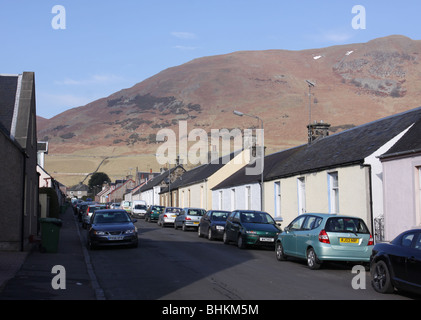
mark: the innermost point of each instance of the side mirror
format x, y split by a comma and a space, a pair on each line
279, 221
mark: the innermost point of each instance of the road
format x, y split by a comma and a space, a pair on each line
172, 264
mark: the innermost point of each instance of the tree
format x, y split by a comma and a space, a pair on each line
97, 179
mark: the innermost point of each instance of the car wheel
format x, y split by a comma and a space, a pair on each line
312, 261
225, 238
240, 242
279, 251
210, 235
381, 281
199, 234
183, 227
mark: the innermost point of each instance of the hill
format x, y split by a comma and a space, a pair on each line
355, 84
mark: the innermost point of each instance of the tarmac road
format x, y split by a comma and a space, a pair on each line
171, 264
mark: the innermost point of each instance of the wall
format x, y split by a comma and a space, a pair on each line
354, 193
401, 187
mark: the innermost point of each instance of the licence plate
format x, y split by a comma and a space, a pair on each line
195, 222
115, 238
267, 239
348, 240
174, 216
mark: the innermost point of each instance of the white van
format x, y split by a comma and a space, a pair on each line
139, 208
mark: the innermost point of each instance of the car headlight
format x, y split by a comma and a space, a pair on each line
251, 232
220, 227
130, 231
99, 233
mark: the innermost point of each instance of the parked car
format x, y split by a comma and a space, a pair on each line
212, 224
153, 212
139, 208
87, 214
81, 208
114, 205
168, 216
397, 264
126, 205
111, 227
249, 227
322, 237
189, 218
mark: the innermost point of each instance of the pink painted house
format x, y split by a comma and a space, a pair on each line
402, 183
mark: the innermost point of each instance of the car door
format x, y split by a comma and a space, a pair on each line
231, 225
180, 218
413, 261
289, 238
204, 222
305, 234
398, 257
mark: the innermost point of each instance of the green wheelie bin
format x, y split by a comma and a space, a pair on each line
50, 232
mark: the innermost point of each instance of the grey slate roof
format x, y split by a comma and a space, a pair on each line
409, 143
202, 172
345, 148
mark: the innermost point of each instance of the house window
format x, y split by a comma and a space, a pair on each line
248, 197
277, 195
301, 195
233, 204
333, 192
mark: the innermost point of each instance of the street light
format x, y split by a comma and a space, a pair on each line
310, 85
240, 114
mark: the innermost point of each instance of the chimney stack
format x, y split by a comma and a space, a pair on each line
317, 130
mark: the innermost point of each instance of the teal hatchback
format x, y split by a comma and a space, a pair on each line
318, 237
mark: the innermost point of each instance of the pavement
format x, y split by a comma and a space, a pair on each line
30, 275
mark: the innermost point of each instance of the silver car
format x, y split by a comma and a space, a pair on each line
189, 218
168, 216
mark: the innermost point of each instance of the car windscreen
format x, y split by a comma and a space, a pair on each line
111, 217
219, 216
256, 217
173, 210
140, 207
346, 224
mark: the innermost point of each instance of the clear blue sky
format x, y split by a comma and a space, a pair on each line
109, 45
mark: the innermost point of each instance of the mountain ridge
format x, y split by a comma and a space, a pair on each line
355, 84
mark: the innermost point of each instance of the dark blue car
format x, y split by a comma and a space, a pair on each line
397, 264
212, 224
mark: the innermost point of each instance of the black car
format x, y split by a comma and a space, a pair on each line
110, 227
397, 264
212, 224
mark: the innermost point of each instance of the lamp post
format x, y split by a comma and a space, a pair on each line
310, 85
240, 114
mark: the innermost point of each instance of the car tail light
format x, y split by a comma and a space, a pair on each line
323, 237
165, 216
188, 218
371, 241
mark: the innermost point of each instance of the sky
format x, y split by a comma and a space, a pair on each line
84, 50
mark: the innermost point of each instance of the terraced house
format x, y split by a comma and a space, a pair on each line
18, 162
340, 173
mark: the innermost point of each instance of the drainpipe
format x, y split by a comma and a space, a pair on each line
371, 200
22, 226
